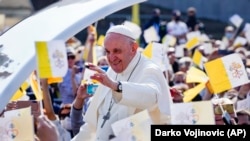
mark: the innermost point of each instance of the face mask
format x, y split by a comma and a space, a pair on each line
229, 35
66, 123
105, 68
177, 18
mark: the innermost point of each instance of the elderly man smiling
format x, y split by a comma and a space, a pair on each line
132, 84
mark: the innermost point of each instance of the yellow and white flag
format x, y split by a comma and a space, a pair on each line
54, 80
226, 72
195, 75
137, 125
190, 94
151, 35
36, 88
13, 123
169, 40
192, 43
192, 113
20, 92
157, 53
193, 34
236, 20
51, 58
199, 59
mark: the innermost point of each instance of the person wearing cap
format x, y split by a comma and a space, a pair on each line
158, 23
132, 84
177, 28
192, 21
68, 87
228, 37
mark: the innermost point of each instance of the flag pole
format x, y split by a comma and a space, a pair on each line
39, 92
37, 78
221, 107
136, 16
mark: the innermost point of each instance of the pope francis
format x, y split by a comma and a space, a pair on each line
132, 84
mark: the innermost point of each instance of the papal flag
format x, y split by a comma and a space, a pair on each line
199, 59
192, 43
236, 20
157, 53
169, 40
51, 59
151, 35
36, 88
20, 92
138, 126
226, 72
195, 75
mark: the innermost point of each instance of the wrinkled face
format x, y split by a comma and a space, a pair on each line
120, 50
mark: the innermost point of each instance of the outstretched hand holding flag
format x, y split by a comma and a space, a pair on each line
226, 72
51, 63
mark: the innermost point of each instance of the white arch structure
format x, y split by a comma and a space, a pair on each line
60, 20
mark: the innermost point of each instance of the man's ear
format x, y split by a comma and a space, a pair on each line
135, 47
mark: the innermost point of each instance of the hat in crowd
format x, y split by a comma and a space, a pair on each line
171, 49
176, 13
229, 28
70, 51
122, 29
191, 9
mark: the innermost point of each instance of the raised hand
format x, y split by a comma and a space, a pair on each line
101, 76
46, 130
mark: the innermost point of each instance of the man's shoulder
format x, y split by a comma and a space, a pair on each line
149, 64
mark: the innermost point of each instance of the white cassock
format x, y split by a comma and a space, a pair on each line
143, 87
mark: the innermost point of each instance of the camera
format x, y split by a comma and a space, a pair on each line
91, 88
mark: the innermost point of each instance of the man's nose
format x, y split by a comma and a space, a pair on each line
112, 56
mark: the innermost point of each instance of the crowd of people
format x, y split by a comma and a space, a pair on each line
129, 83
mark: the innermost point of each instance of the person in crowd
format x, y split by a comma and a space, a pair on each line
157, 23
132, 84
177, 28
228, 37
173, 64
71, 80
102, 62
185, 63
192, 21
59, 123
68, 87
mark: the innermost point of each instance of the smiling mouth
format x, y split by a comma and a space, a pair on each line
116, 63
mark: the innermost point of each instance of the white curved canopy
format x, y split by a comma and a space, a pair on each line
61, 20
